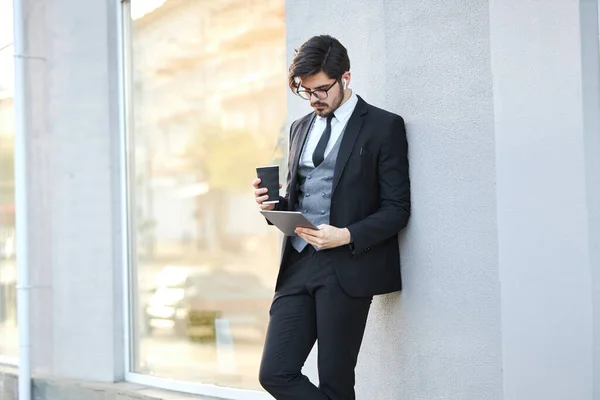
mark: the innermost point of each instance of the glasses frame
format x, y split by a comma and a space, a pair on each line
309, 93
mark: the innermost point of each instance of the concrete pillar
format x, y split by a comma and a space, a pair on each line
590, 57
74, 178
428, 61
543, 181
500, 257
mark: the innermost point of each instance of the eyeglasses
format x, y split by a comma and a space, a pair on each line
320, 94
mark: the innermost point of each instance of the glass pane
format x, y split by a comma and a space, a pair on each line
8, 269
209, 105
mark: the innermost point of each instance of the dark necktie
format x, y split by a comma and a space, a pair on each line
319, 154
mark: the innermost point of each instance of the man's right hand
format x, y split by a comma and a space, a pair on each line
260, 195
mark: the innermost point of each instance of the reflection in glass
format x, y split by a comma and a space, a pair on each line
8, 269
209, 105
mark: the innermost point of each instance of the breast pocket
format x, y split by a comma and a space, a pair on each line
366, 160
361, 169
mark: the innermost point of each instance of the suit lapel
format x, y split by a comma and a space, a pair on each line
299, 140
350, 135
296, 149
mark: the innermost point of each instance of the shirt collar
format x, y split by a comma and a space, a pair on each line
343, 113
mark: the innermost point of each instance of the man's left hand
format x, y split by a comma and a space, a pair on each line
327, 237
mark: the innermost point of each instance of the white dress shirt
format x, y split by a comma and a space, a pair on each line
338, 124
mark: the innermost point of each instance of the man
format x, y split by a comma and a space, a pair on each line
348, 174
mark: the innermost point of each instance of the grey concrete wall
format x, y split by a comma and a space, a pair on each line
74, 238
543, 182
590, 13
428, 61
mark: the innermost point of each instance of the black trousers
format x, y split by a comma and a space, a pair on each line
311, 305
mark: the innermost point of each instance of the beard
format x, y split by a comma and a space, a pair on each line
328, 110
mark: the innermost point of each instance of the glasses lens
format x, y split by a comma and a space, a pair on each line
304, 94
320, 94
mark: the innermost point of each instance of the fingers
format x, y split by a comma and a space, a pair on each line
260, 191
318, 242
260, 199
280, 185
260, 195
319, 238
262, 206
312, 233
314, 237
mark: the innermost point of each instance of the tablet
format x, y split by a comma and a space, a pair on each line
288, 221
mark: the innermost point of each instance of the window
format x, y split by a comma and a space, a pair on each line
208, 105
8, 273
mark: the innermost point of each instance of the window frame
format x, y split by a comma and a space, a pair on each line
126, 138
6, 360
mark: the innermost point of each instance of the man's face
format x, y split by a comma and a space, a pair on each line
335, 95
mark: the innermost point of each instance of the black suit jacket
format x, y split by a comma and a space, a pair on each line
370, 197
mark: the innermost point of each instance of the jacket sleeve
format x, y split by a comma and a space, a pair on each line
394, 193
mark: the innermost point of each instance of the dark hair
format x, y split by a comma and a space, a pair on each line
319, 53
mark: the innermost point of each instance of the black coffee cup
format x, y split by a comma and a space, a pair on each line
269, 178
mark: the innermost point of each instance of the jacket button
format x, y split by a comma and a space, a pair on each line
307, 194
323, 194
323, 212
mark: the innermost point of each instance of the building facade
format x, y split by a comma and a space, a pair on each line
151, 265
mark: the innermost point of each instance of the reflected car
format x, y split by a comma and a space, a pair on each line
204, 304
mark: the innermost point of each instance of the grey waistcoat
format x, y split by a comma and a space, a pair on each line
314, 192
